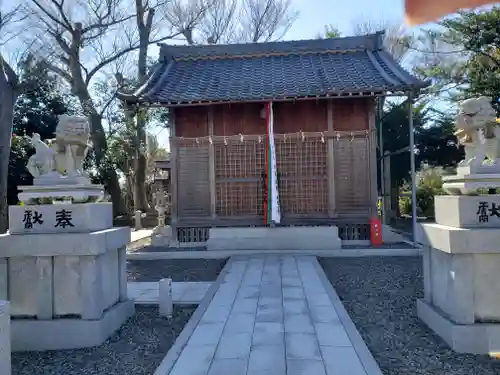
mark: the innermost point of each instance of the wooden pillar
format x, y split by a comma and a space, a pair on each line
174, 175
211, 162
386, 181
372, 158
331, 162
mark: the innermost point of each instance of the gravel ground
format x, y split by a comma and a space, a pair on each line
380, 295
396, 245
136, 349
162, 249
176, 269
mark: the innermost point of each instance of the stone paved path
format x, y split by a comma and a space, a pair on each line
271, 316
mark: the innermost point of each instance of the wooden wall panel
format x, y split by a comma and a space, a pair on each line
305, 115
193, 195
191, 122
233, 119
351, 114
289, 117
352, 180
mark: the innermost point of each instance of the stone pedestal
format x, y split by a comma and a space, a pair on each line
280, 238
65, 276
461, 272
5, 364
59, 191
468, 179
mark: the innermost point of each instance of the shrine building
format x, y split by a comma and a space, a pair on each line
324, 94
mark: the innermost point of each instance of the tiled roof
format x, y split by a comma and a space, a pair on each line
273, 71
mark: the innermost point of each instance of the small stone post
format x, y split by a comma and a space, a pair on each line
165, 297
137, 219
5, 365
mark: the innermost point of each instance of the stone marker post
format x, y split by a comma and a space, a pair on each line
138, 220
5, 364
165, 297
461, 257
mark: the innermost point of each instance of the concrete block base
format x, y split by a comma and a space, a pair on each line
58, 334
478, 338
281, 238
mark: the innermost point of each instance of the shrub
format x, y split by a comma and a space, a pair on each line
429, 183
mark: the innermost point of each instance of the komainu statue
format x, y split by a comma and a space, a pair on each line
479, 132
42, 162
64, 157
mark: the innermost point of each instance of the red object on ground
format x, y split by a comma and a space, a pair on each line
375, 231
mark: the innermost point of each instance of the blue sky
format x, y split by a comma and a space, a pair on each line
315, 14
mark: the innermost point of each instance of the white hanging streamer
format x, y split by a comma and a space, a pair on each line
322, 137
210, 140
241, 138
225, 141
352, 136
338, 137
260, 139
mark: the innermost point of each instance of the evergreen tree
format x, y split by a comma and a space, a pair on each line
36, 111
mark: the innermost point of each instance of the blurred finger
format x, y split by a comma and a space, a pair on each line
422, 11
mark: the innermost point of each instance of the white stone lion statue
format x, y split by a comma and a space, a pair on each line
66, 153
478, 131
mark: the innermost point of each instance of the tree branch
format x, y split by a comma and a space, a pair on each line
106, 61
64, 74
51, 16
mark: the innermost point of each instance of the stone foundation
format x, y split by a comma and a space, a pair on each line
281, 238
481, 338
63, 333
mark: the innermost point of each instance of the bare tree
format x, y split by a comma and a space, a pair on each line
10, 89
185, 15
82, 38
220, 21
266, 20
214, 21
232, 21
182, 17
397, 40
